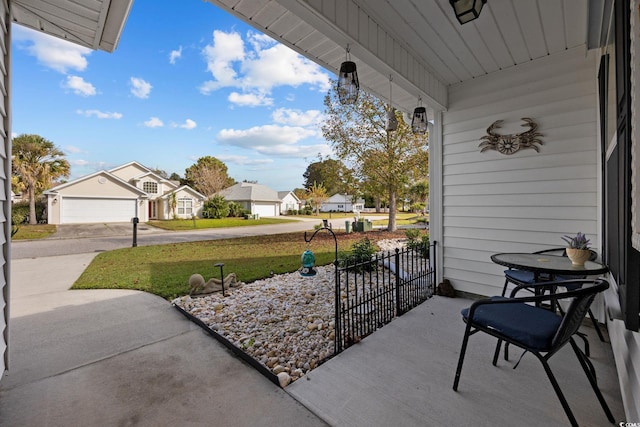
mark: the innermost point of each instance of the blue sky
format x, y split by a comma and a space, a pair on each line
187, 80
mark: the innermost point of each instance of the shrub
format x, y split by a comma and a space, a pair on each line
20, 212
235, 209
216, 207
361, 253
418, 243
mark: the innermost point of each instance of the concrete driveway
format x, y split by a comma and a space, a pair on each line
122, 358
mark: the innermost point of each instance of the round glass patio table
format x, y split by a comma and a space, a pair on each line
554, 265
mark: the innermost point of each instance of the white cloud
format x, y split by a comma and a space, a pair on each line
281, 66
50, 51
79, 162
291, 117
72, 149
154, 122
274, 140
99, 114
175, 54
250, 99
243, 160
140, 88
226, 49
79, 86
188, 124
260, 66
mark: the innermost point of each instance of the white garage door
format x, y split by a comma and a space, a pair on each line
85, 210
264, 210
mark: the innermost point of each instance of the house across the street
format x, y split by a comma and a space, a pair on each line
256, 198
288, 201
342, 203
120, 194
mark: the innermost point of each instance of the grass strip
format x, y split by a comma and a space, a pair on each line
164, 270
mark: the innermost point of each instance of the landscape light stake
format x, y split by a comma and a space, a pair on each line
221, 264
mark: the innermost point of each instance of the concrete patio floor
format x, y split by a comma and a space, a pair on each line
402, 375
104, 358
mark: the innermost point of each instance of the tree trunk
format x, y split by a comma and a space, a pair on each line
392, 211
377, 201
32, 205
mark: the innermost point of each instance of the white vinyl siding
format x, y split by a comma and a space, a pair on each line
5, 194
525, 201
91, 210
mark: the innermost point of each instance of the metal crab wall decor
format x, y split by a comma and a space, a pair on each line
509, 144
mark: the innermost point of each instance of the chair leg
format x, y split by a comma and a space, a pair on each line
463, 350
592, 379
596, 325
556, 388
585, 340
497, 352
504, 288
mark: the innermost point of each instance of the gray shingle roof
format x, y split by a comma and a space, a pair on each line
245, 191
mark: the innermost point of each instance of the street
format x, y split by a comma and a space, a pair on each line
123, 238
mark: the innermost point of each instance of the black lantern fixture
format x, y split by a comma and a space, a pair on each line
419, 120
348, 83
392, 121
467, 10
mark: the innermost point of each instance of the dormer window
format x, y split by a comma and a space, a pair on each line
150, 187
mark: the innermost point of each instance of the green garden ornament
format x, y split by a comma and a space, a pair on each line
308, 261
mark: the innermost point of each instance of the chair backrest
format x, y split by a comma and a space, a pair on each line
581, 300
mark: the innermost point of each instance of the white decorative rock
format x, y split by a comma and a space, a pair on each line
284, 379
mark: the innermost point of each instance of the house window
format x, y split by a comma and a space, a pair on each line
150, 187
185, 206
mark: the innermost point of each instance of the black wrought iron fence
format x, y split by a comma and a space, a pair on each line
371, 294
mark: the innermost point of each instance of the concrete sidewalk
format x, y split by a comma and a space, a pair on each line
117, 357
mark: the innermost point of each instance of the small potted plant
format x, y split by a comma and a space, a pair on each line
578, 249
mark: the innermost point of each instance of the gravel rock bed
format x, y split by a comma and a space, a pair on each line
285, 322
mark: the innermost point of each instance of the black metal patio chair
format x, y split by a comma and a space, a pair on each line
524, 278
536, 330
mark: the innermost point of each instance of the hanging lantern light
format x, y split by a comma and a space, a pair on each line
392, 121
419, 119
308, 262
348, 83
467, 10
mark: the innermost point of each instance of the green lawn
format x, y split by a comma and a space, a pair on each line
164, 270
36, 231
201, 223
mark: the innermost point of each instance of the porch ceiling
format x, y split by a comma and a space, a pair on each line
419, 42
96, 24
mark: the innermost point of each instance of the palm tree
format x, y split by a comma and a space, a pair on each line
36, 162
173, 203
317, 195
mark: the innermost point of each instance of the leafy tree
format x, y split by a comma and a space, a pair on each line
300, 193
316, 196
208, 176
331, 174
419, 191
175, 177
36, 162
385, 161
